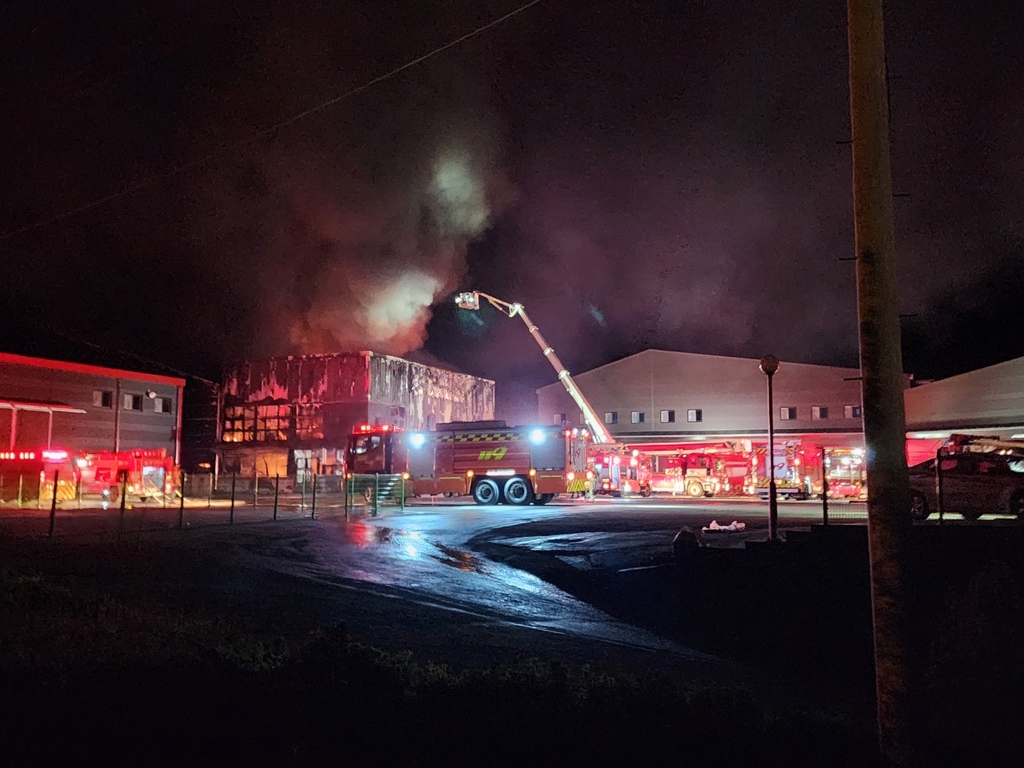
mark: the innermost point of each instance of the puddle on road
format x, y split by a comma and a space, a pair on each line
457, 558
410, 545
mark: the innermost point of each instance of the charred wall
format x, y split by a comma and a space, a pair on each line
428, 395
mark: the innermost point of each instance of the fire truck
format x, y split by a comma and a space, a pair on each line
27, 475
489, 460
144, 475
692, 474
619, 470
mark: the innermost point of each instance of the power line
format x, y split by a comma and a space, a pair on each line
270, 129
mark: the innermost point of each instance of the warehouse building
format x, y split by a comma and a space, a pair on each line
668, 404
291, 415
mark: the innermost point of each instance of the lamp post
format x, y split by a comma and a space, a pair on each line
769, 366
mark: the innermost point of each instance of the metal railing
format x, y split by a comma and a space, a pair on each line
198, 499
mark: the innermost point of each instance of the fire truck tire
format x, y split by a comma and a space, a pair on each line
645, 492
518, 491
918, 506
695, 490
485, 492
543, 499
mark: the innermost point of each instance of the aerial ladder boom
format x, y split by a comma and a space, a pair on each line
471, 300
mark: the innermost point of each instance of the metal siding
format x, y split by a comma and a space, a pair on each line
424, 391
987, 397
94, 429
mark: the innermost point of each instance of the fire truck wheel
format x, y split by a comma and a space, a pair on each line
485, 491
646, 491
543, 499
518, 491
918, 506
696, 490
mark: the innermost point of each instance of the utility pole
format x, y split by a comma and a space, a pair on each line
881, 362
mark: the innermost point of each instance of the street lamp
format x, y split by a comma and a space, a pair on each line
769, 366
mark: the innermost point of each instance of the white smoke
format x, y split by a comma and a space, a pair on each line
391, 260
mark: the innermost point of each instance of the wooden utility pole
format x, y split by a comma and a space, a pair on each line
881, 362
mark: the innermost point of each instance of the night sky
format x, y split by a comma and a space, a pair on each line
647, 174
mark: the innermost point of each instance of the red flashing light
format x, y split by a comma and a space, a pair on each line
55, 455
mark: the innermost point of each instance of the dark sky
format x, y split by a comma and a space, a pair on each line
636, 173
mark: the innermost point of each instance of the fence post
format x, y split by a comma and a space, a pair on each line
938, 483
181, 506
344, 482
277, 491
231, 516
312, 511
124, 500
255, 488
824, 490
209, 491
376, 494
1, 488
53, 503
302, 492
402, 502
78, 490
21, 480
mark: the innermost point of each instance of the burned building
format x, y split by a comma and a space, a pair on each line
294, 414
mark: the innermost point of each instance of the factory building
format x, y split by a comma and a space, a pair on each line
291, 415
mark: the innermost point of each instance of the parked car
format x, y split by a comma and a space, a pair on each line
973, 484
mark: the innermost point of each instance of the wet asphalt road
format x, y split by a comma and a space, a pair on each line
454, 582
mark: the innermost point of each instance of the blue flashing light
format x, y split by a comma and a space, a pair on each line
537, 436
417, 439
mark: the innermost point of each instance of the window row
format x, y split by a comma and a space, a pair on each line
104, 398
693, 415
696, 415
819, 412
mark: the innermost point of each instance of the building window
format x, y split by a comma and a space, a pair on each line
851, 411
103, 398
694, 415
162, 404
819, 412
559, 419
787, 413
636, 417
668, 417
611, 417
132, 402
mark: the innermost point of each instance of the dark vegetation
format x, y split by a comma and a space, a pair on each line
92, 672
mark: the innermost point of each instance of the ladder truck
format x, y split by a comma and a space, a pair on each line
635, 479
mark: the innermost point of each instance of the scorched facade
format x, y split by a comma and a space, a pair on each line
291, 415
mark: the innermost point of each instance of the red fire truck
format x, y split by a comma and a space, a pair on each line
144, 474
619, 470
489, 460
27, 475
